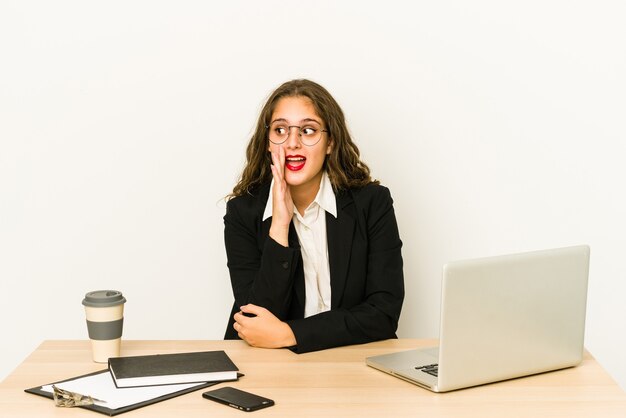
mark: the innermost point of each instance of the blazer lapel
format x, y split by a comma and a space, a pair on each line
339, 236
265, 224
298, 283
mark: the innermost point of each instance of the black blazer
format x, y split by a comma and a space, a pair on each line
364, 250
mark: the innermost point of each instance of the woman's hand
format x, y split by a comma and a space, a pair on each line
282, 205
263, 330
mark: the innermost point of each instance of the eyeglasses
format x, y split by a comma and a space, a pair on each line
309, 134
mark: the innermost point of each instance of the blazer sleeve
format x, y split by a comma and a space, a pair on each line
261, 270
375, 316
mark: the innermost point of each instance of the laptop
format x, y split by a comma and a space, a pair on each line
502, 317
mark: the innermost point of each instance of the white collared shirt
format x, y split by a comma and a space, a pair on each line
311, 230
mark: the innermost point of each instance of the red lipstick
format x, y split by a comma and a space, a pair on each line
295, 162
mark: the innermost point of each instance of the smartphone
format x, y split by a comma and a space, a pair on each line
237, 398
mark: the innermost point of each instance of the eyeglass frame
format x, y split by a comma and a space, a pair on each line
299, 135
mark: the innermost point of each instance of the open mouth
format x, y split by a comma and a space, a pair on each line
295, 162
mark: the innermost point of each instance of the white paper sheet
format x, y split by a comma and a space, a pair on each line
101, 386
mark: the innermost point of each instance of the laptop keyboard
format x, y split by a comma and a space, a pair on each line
431, 369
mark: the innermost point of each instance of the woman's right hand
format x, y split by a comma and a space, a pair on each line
282, 205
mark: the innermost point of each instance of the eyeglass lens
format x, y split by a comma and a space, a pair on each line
309, 134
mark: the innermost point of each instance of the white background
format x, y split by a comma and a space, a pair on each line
498, 126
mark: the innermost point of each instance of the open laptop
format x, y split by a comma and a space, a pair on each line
502, 317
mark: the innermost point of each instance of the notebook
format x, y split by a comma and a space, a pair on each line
502, 317
173, 368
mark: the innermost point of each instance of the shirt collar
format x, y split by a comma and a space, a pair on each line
325, 198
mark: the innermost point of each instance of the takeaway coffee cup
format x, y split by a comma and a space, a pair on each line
105, 319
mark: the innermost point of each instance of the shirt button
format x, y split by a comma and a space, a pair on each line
285, 265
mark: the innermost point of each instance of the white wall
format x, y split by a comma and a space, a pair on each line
498, 126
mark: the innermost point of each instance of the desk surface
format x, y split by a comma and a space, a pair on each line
329, 383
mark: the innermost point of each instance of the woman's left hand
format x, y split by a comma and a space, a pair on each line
263, 330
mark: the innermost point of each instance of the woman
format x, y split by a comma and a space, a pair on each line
312, 242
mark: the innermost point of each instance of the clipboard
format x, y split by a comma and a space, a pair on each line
174, 392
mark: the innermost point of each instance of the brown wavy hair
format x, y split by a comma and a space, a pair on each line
344, 166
